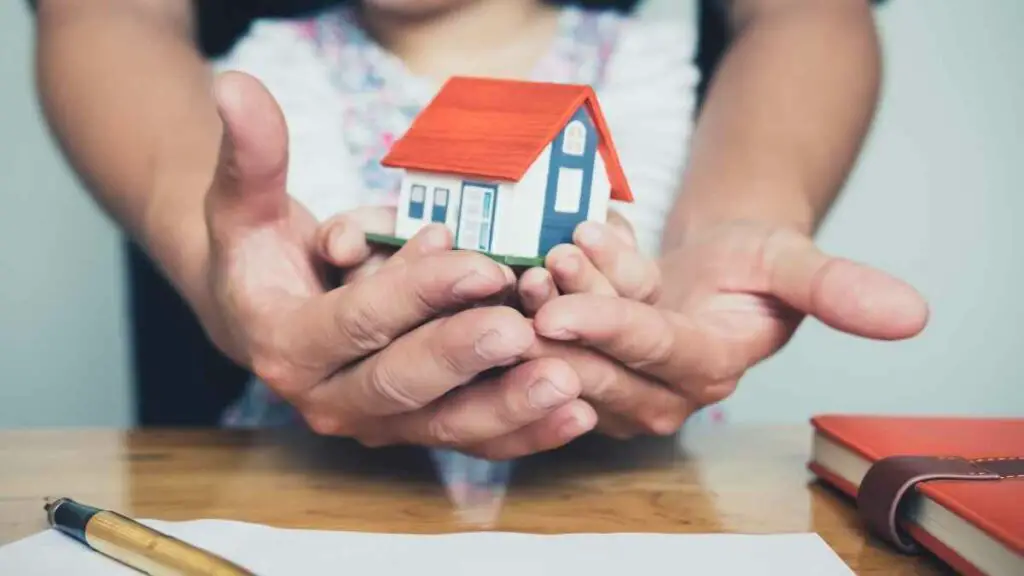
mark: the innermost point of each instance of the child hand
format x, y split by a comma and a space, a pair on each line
602, 260
341, 242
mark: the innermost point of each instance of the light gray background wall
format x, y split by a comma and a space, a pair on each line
933, 200
63, 328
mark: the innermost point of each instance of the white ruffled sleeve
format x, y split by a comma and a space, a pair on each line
649, 98
320, 172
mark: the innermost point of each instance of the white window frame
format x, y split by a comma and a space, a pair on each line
472, 226
440, 196
569, 191
422, 193
574, 143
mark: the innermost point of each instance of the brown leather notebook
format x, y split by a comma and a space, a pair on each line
954, 486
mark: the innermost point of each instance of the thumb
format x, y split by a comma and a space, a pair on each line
843, 294
248, 187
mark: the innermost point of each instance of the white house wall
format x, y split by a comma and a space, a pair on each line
520, 211
406, 227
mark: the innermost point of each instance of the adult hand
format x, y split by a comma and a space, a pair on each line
370, 358
733, 296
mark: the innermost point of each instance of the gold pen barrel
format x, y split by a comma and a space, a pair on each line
151, 552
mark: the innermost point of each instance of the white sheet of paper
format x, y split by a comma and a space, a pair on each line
287, 552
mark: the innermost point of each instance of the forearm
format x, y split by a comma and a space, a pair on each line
128, 97
784, 118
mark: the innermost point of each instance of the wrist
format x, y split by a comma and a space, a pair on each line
173, 233
700, 212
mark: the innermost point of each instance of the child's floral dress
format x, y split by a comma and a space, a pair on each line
346, 100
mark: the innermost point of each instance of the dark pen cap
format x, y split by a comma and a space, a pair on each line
69, 516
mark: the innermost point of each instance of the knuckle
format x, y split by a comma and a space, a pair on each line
606, 383
514, 408
715, 393
659, 352
485, 451
649, 423
448, 357
424, 294
449, 361
359, 325
387, 385
650, 289
373, 440
326, 425
718, 365
666, 423
274, 371
368, 267
441, 432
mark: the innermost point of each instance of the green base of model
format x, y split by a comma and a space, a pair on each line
512, 261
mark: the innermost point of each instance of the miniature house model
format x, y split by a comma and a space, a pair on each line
510, 167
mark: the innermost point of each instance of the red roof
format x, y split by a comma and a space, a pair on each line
495, 129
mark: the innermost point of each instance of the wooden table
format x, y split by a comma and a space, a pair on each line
750, 480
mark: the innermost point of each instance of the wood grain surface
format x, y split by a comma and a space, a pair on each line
733, 479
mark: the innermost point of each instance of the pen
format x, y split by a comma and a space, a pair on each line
134, 544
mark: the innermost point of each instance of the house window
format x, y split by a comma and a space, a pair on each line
416, 197
440, 211
570, 190
575, 140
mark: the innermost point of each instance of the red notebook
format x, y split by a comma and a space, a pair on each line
954, 486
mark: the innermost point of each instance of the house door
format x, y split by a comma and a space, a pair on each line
570, 173
476, 216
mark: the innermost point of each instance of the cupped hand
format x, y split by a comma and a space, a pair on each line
503, 410
733, 296
370, 358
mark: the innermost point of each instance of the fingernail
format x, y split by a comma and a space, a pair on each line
557, 333
544, 394
475, 285
337, 242
561, 334
510, 276
588, 234
492, 346
533, 285
436, 236
576, 425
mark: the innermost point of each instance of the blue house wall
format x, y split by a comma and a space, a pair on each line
557, 227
